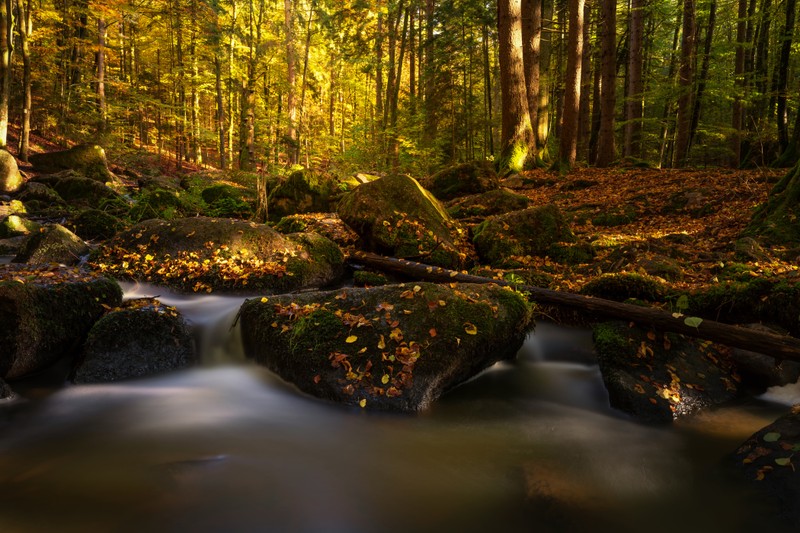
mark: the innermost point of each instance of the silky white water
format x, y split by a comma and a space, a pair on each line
526, 446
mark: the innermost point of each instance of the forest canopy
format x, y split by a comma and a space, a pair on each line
406, 85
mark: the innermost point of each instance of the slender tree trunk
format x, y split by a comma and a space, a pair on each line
379, 81
196, 150
634, 108
606, 147
304, 83
737, 119
25, 22
430, 75
101, 76
783, 75
223, 162
572, 88
487, 91
703, 78
531, 52
585, 108
543, 114
517, 132
6, 49
685, 81
291, 74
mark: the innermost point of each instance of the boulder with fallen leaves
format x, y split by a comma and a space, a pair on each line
396, 216
141, 338
394, 348
487, 204
52, 244
462, 180
45, 312
204, 254
658, 377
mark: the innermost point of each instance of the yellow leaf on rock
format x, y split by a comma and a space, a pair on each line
351, 339
264, 299
362, 403
381, 343
385, 379
470, 328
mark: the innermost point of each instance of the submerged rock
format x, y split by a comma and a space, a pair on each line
205, 254
505, 240
142, 338
45, 312
396, 347
658, 377
53, 244
396, 216
768, 460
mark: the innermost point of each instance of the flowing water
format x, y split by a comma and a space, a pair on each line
526, 446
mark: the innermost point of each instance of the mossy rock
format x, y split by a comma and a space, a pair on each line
141, 338
756, 300
96, 224
78, 190
158, 203
658, 377
616, 217
302, 192
367, 278
462, 180
15, 225
88, 159
53, 244
14, 207
326, 224
45, 317
11, 179
505, 240
663, 267
395, 348
40, 193
396, 216
627, 285
491, 203
227, 201
205, 254
571, 254
777, 221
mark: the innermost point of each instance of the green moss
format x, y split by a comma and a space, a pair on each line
319, 332
624, 286
14, 225
615, 217
608, 339
291, 224
158, 203
96, 224
365, 278
571, 254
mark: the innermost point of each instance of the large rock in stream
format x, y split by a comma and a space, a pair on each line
11, 179
768, 461
45, 312
53, 244
396, 216
394, 348
142, 338
658, 377
205, 254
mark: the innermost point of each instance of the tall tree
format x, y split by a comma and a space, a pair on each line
782, 77
606, 147
634, 109
25, 29
291, 74
568, 143
531, 52
517, 133
6, 49
685, 82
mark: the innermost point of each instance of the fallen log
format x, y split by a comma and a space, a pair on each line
777, 346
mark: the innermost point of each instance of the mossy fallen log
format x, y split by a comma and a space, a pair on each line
777, 346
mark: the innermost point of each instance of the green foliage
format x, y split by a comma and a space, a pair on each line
626, 285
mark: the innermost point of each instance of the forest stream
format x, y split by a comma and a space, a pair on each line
531, 445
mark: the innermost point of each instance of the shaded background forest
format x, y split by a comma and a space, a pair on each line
406, 85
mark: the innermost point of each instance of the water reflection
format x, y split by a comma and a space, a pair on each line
527, 446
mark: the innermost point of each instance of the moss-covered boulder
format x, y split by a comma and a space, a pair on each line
227, 201
777, 221
395, 348
302, 192
37, 194
505, 240
205, 254
77, 189
15, 225
491, 203
141, 338
326, 224
625, 286
88, 159
159, 203
11, 179
657, 377
45, 312
96, 224
462, 180
396, 216
768, 461
13, 207
53, 244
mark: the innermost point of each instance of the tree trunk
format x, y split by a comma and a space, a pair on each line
606, 148
777, 346
223, 163
291, 74
783, 75
517, 133
6, 49
25, 22
101, 76
487, 90
737, 118
430, 75
543, 114
634, 108
703, 78
572, 88
685, 81
531, 53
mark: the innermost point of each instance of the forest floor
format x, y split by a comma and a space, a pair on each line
627, 214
